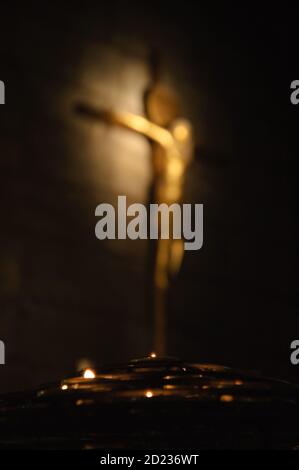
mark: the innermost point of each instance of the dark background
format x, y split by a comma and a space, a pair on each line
63, 294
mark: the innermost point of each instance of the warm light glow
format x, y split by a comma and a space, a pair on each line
169, 387
181, 131
89, 374
153, 355
64, 387
238, 382
227, 398
149, 394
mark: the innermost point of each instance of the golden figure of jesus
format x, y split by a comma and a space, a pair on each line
172, 151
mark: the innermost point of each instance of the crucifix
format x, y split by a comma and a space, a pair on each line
172, 151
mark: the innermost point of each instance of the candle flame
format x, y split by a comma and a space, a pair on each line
89, 374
